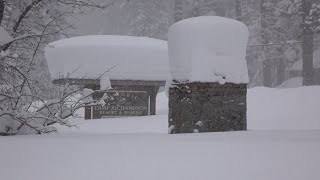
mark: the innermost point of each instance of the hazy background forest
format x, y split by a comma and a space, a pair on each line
274, 52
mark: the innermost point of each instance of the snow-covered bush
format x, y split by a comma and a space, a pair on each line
24, 111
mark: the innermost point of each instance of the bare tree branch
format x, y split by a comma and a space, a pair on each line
86, 3
21, 105
24, 13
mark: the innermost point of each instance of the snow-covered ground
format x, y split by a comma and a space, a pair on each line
283, 142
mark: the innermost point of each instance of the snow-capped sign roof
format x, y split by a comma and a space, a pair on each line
131, 58
208, 49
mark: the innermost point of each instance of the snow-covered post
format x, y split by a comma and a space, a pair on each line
105, 83
210, 76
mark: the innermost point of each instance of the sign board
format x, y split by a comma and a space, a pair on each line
121, 103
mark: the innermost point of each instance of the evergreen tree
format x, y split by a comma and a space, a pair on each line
150, 18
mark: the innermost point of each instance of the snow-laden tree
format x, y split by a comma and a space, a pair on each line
310, 11
27, 105
312, 15
224, 8
309, 24
274, 43
275, 22
178, 10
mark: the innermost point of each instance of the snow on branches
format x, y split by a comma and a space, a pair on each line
313, 19
310, 11
29, 103
24, 111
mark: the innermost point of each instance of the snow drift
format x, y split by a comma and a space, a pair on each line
284, 109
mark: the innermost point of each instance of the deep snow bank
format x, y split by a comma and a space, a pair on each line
268, 109
293, 108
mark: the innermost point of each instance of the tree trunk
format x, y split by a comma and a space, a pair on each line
267, 78
266, 72
212, 8
281, 71
1, 17
307, 47
1, 10
237, 7
178, 10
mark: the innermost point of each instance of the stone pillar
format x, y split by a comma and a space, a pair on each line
210, 75
207, 107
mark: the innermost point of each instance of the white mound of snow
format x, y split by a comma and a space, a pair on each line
208, 49
130, 58
292, 83
283, 109
105, 83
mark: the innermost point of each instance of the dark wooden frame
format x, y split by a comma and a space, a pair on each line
151, 87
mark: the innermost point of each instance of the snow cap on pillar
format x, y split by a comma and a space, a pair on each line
208, 49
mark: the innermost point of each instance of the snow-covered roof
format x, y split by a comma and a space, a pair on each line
131, 58
210, 49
